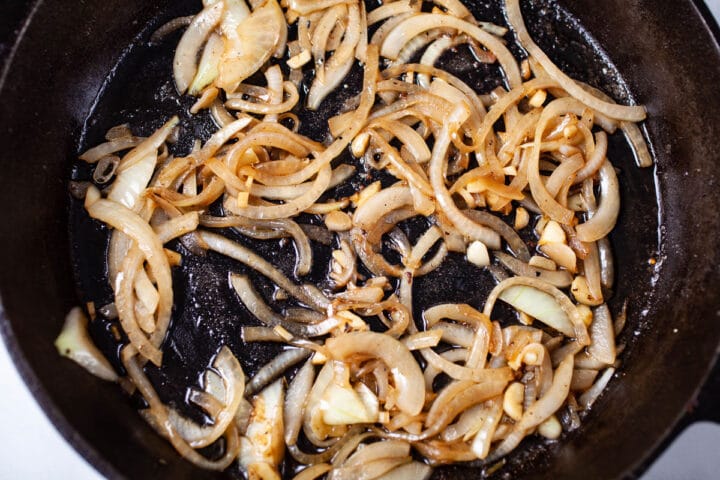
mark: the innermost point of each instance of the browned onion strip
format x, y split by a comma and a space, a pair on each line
466, 314
148, 146
233, 386
465, 225
367, 99
291, 207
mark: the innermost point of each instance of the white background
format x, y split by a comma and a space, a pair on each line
31, 448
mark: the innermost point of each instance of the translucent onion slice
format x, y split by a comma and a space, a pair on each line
185, 62
230, 372
417, 24
251, 45
541, 410
602, 334
557, 278
151, 144
470, 229
123, 219
295, 401
604, 219
409, 471
209, 64
103, 150
75, 343
405, 371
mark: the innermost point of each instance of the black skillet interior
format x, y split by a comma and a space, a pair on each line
57, 101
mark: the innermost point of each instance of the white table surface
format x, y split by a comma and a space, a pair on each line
692, 457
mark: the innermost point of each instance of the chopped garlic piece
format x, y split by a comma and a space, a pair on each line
538, 99
513, 401
538, 261
337, 221
550, 428
299, 60
478, 254
552, 233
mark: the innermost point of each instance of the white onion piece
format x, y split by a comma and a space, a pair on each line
632, 132
295, 401
603, 336
602, 223
331, 79
405, 370
185, 62
377, 451
417, 24
632, 113
540, 410
408, 471
549, 403
131, 182
369, 470
306, 7
483, 439
75, 344
607, 264
262, 448
588, 398
343, 405
596, 158
275, 368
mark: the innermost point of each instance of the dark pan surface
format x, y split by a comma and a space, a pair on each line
661, 369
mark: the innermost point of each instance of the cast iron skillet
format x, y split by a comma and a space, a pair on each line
56, 97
